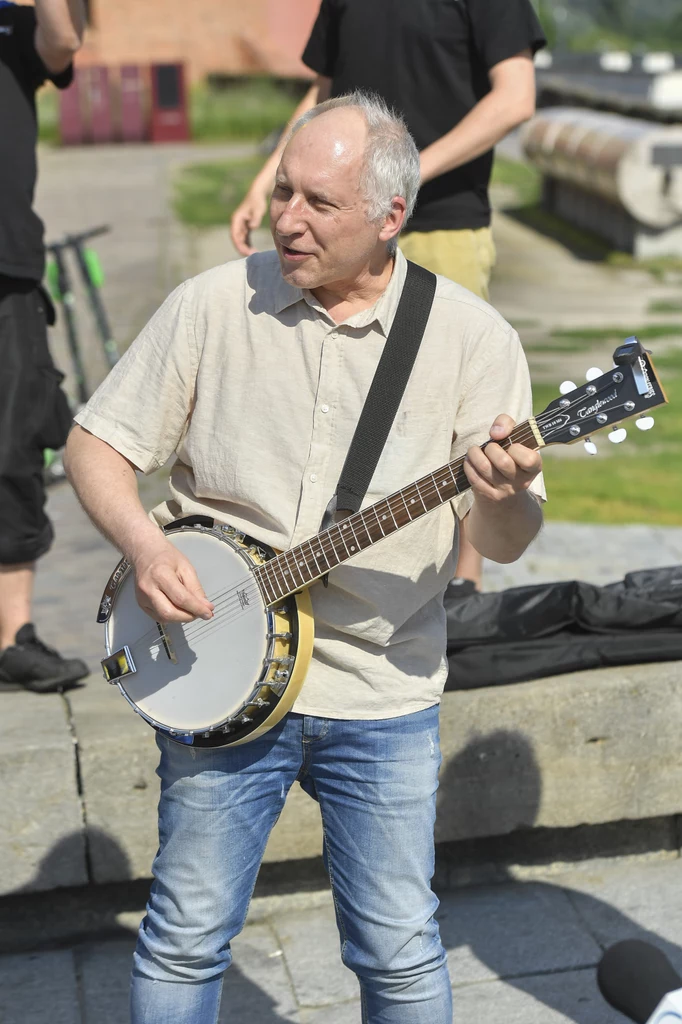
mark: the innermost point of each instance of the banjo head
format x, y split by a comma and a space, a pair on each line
192, 678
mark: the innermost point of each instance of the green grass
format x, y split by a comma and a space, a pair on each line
47, 103
648, 332
658, 267
664, 306
524, 178
240, 110
206, 194
638, 481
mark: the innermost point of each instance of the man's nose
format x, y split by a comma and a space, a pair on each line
290, 220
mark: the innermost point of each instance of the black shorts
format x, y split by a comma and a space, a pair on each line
34, 415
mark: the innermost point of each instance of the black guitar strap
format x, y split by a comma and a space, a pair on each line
386, 391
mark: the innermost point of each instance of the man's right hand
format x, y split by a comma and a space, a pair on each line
245, 219
167, 587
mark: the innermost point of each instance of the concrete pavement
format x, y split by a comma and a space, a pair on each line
518, 953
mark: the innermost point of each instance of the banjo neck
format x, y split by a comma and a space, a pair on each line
304, 564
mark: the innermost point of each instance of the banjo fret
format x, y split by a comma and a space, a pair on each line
295, 569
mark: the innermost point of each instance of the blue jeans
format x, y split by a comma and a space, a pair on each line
376, 785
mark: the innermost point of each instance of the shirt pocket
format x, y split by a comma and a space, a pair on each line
418, 442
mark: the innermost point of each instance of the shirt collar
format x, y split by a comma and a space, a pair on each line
383, 310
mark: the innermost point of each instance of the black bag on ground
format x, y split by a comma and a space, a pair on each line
530, 632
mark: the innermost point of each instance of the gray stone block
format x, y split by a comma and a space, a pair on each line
118, 758
39, 987
41, 841
570, 750
559, 752
298, 833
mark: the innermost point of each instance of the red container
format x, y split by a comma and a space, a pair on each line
71, 121
96, 82
134, 126
169, 118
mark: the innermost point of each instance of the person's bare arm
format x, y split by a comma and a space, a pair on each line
250, 212
167, 586
59, 32
505, 516
510, 101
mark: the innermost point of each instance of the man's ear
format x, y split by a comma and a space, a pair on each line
393, 223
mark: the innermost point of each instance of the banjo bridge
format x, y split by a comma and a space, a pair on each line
167, 643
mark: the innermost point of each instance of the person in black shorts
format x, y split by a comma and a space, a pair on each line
36, 44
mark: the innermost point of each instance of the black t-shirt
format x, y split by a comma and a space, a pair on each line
429, 59
22, 72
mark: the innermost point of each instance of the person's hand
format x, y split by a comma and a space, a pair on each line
246, 218
496, 473
167, 587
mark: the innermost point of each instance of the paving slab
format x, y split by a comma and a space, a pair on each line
41, 842
631, 901
505, 931
258, 987
311, 945
595, 552
146, 253
342, 1013
39, 988
104, 972
560, 998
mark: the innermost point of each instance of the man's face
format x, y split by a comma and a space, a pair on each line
317, 214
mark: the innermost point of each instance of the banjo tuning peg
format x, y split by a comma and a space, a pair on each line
644, 422
618, 434
593, 373
567, 386
590, 446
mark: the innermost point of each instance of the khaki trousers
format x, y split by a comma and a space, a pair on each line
466, 256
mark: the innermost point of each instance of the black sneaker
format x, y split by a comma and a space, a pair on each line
31, 665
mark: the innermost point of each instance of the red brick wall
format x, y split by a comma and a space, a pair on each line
224, 36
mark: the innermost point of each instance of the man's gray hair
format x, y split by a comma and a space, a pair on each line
391, 157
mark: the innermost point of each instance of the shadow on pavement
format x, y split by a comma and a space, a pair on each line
527, 930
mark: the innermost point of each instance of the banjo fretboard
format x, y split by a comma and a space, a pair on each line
309, 561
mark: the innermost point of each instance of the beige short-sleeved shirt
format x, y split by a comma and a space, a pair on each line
257, 391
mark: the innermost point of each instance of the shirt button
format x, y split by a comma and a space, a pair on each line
313, 477
325, 408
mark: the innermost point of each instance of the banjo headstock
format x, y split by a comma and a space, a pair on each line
630, 388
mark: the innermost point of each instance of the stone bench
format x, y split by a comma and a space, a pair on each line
80, 790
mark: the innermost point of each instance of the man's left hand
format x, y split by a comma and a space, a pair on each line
496, 473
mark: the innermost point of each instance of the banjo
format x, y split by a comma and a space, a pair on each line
227, 680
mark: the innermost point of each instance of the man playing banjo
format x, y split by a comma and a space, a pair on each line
254, 375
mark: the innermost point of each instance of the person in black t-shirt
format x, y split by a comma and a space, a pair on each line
36, 44
461, 74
